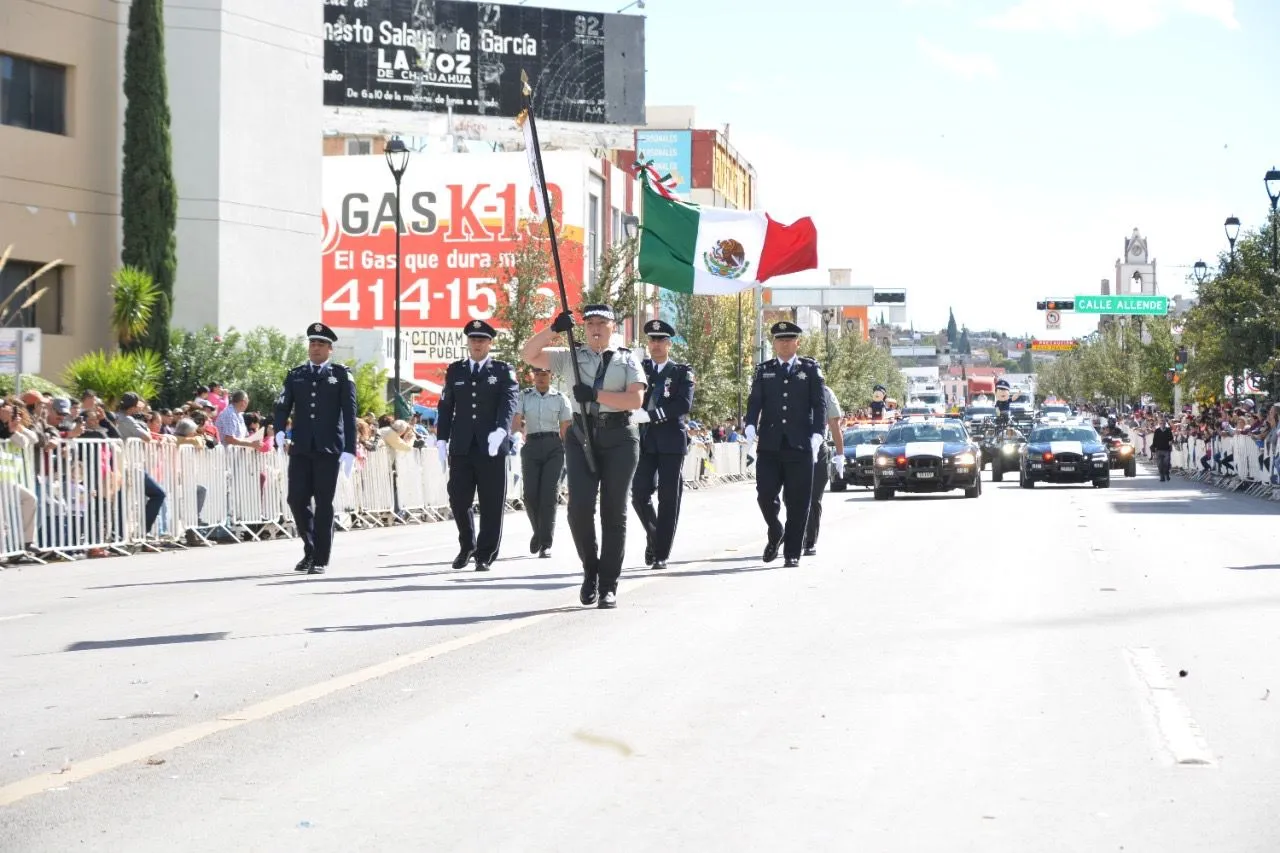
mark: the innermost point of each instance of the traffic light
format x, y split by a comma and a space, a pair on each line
1060, 305
881, 297
1177, 378
1169, 374
1180, 357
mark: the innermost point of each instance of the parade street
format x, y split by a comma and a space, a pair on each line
1063, 669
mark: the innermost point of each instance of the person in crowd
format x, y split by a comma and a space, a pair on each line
543, 416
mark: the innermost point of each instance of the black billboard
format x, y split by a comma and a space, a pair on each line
441, 55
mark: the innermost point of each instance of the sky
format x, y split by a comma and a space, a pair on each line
986, 154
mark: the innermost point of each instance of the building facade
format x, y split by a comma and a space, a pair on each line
248, 205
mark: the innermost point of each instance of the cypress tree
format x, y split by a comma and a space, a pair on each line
148, 195
952, 331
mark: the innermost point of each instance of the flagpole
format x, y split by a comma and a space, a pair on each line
540, 186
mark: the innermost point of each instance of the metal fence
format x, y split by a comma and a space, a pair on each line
1238, 463
98, 497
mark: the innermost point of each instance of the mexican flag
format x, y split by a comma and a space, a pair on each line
714, 251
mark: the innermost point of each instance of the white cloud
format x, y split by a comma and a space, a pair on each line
969, 66
1122, 17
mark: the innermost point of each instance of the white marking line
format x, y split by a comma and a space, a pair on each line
17, 616
1181, 735
142, 750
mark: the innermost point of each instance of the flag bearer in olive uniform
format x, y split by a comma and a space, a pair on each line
612, 385
475, 411
787, 402
820, 469
664, 440
321, 398
543, 415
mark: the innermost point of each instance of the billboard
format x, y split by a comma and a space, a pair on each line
462, 215
465, 58
672, 154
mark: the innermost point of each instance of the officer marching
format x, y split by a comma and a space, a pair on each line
612, 385
788, 404
475, 412
543, 415
836, 436
320, 396
664, 440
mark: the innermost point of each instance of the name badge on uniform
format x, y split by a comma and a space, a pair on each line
767, 375
461, 382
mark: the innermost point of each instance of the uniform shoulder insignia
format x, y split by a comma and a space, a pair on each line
458, 363
501, 365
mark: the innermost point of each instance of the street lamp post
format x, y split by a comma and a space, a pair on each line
1232, 227
631, 227
397, 155
1272, 183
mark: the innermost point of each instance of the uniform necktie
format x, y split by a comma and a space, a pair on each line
475, 370
600, 372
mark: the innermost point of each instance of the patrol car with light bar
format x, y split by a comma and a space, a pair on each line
1064, 453
928, 455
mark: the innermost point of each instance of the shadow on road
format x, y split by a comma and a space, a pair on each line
191, 580
449, 588
133, 642
1258, 568
1206, 505
449, 620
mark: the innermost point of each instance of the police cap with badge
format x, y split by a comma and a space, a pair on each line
784, 329
657, 329
597, 310
479, 329
321, 332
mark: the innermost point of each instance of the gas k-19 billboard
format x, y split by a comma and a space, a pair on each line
466, 57
461, 219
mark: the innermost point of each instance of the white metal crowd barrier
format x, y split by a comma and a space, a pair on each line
100, 496
1234, 462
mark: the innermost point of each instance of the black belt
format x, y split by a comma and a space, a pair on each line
607, 419
534, 435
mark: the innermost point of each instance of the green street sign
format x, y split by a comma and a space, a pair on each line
1123, 304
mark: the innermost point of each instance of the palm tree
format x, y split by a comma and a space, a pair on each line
134, 295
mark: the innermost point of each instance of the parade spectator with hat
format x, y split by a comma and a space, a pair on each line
611, 386
320, 396
787, 407
473, 432
664, 440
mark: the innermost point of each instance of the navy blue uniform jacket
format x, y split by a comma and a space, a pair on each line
471, 408
792, 406
323, 408
672, 394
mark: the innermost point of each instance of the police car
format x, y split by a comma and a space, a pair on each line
1064, 453
860, 443
933, 455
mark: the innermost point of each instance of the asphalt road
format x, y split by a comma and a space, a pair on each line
998, 674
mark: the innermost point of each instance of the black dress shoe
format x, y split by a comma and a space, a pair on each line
587, 595
771, 548
534, 544
482, 566
462, 559
315, 570
544, 554
659, 564
648, 555
303, 565
791, 562
811, 551
608, 601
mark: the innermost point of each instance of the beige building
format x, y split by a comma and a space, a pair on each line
60, 107
248, 225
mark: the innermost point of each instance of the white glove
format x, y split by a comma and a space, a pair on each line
839, 460
751, 434
348, 463
495, 440
442, 450
815, 442
640, 416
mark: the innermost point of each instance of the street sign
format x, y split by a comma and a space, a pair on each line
1052, 320
1053, 346
1254, 383
1123, 304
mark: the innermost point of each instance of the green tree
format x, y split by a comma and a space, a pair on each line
371, 389
114, 374
148, 195
617, 282
133, 296
255, 362
1061, 378
528, 293
1026, 364
1157, 358
964, 347
856, 367
953, 332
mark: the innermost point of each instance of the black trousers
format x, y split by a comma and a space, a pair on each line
790, 472
660, 472
313, 477
820, 478
617, 450
541, 461
471, 473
